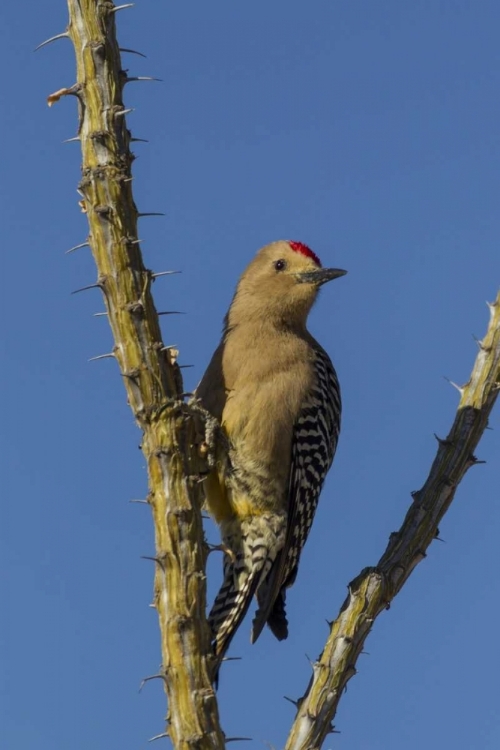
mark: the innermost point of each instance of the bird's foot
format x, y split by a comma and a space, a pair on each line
215, 440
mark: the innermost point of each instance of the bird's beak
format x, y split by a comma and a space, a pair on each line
319, 276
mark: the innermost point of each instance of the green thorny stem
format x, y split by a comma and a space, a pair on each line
150, 374
374, 588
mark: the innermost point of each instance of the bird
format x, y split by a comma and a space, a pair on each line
275, 394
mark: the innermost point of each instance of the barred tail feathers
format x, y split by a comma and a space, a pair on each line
230, 607
254, 544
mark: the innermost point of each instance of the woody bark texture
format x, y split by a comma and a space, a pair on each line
374, 588
151, 377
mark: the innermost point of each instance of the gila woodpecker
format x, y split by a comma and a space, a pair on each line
276, 395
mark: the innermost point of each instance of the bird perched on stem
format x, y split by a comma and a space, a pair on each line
275, 393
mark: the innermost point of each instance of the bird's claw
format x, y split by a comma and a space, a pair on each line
214, 438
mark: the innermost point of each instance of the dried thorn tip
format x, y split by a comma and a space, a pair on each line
171, 312
76, 247
443, 441
142, 78
85, 288
132, 51
459, 388
150, 213
154, 559
64, 35
102, 356
71, 91
71, 140
163, 273
123, 112
158, 736
152, 677
475, 460
121, 7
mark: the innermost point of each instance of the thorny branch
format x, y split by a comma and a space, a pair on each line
374, 588
154, 386
150, 374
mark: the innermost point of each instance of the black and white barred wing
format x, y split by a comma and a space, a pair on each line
313, 448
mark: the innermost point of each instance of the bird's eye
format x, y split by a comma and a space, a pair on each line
280, 265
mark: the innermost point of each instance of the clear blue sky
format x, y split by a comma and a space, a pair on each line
371, 132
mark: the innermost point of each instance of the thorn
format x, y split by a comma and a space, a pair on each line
141, 502
70, 140
365, 653
478, 341
141, 140
438, 539
128, 179
121, 7
142, 78
152, 213
291, 700
123, 112
71, 91
158, 736
102, 356
171, 312
170, 346
443, 441
152, 677
98, 285
154, 559
99, 315
491, 308
459, 388
64, 35
163, 273
132, 242
132, 51
475, 460
183, 367
76, 247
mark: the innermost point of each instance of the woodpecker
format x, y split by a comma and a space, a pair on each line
276, 396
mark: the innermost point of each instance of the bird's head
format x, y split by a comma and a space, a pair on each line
281, 283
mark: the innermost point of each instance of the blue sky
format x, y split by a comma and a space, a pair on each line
369, 131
